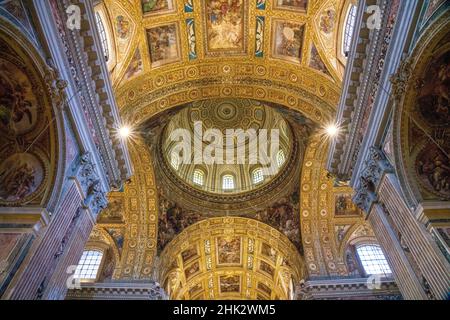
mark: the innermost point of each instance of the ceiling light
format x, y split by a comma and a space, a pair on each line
332, 130
124, 132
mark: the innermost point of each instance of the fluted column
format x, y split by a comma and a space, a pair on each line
420, 268
44, 272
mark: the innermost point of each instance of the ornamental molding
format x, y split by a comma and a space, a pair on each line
95, 92
357, 288
87, 176
376, 166
118, 291
400, 79
361, 87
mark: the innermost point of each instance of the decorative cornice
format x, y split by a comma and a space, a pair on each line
118, 291
358, 288
91, 77
361, 87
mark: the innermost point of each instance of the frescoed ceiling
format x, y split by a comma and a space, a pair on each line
191, 53
230, 258
153, 36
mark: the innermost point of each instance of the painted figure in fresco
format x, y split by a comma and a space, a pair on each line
434, 100
15, 108
301, 4
123, 27
230, 284
327, 21
435, 166
20, 175
229, 250
154, 5
163, 44
352, 267
344, 206
443, 88
172, 221
117, 235
317, 62
224, 23
289, 39
282, 216
16, 182
135, 66
113, 212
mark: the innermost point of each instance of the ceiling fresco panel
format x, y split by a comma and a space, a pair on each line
164, 44
225, 26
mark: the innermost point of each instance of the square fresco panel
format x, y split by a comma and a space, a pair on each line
264, 288
229, 251
344, 206
267, 268
136, 66
195, 290
157, 6
269, 252
230, 284
192, 270
164, 44
189, 254
296, 5
225, 26
288, 40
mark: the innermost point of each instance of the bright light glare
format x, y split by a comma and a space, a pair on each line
332, 130
124, 132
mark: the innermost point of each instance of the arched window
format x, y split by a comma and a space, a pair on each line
257, 176
228, 182
373, 260
199, 177
349, 27
175, 161
281, 158
89, 264
103, 37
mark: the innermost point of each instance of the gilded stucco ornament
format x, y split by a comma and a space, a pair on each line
154, 89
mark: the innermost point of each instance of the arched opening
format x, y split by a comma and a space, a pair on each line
199, 177
349, 28
228, 183
89, 265
213, 260
373, 260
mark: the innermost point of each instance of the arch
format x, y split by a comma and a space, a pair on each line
281, 158
297, 88
141, 211
373, 259
106, 35
348, 30
257, 176
228, 182
199, 177
46, 142
90, 264
429, 47
230, 258
318, 193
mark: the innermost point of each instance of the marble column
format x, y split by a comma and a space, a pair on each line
419, 266
58, 239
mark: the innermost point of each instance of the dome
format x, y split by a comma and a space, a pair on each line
225, 139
